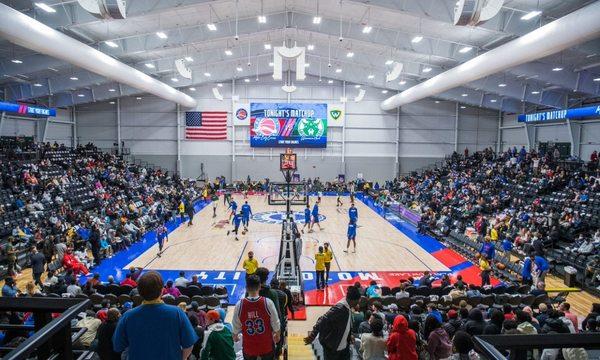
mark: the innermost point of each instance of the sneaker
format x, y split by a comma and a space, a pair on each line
228, 231
302, 231
346, 251
354, 251
236, 239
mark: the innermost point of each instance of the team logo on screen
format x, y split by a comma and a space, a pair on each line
266, 127
241, 114
276, 217
313, 128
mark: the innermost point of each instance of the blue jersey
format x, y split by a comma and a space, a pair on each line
541, 264
233, 205
237, 219
351, 230
307, 215
526, 271
246, 211
488, 249
315, 211
353, 213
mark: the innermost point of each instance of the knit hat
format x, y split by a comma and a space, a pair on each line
452, 314
213, 315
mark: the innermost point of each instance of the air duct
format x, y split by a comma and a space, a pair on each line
570, 30
22, 30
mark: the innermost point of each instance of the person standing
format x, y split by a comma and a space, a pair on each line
306, 218
334, 328
154, 330
38, 260
11, 256
255, 318
315, 217
215, 201
104, 336
353, 213
486, 269
541, 267
250, 264
328, 257
189, 209
162, 236
351, 236
246, 213
233, 206
320, 268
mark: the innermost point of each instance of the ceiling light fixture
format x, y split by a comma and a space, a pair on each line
37, 84
530, 15
239, 69
558, 68
493, 100
174, 79
310, 47
535, 92
45, 7
384, 91
464, 95
316, 20
80, 95
192, 89
349, 54
502, 85
111, 102
417, 39
371, 76
189, 58
112, 44
112, 90
367, 29
267, 46
597, 79
463, 107
220, 85
426, 69
465, 49
402, 82
228, 52
211, 26
330, 81
262, 19
161, 35
74, 78
357, 86
271, 64
207, 74
150, 65
17, 61
306, 65
338, 70
247, 80
138, 98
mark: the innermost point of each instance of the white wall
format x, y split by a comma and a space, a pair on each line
369, 143
23, 126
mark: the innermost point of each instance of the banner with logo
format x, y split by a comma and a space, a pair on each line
241, 113
23, 109
288, 125
335, 115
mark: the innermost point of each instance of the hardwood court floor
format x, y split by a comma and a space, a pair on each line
205, 246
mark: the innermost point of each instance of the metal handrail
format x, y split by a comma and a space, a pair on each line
45, 334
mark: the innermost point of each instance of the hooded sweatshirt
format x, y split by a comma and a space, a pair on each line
402, 343
218, 343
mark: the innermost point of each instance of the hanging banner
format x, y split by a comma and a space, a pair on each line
553, 115
28, 110
335, 115
241, 113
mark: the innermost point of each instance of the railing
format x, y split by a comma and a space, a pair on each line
53, 338
489, 345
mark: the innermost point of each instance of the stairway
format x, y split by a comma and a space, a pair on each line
297, 350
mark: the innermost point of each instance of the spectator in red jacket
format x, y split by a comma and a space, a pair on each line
129, 281
402, 343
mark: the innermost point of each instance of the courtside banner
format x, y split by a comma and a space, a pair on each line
28, 110
288, 125
241, 113
336, 115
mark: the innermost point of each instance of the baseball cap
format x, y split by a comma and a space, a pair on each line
213, 315
452, 314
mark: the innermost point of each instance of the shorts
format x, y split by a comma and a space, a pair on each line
316, 219
352, 237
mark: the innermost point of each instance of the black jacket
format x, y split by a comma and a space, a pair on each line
330, 327
37, 263
105, 345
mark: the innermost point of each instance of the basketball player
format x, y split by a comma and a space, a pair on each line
351, 236
315, 217
328, 257
162, 236
215, 201
339, 202
237, 220
227, 198
246, 213
233, 206
353, 213
255, 318
306, 218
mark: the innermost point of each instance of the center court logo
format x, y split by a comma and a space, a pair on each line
276, 217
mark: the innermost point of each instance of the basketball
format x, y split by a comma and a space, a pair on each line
477, 256
500, 266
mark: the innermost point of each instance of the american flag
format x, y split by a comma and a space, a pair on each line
206, 125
